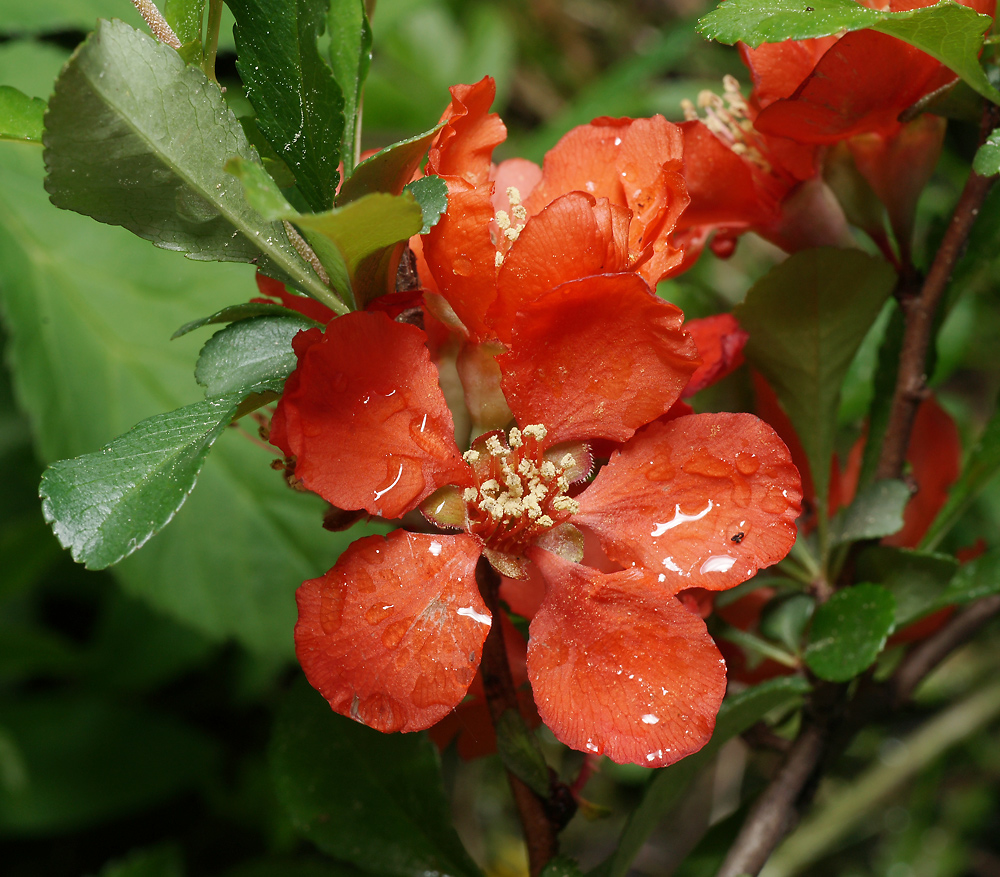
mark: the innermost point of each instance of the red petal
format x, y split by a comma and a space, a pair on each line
861, 84
471, 722
584, 160
596, 358
935, 454
704, 501
459, 251
365, 418
634, 164
617, 669
464, 148
393, 634
722, 185
306, 306
571, 238
778, 69
517, 173
461, 255
720, 341
899, 167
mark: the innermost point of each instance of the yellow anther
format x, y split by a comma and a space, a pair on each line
519, 213
512, 234
563, 483
515, 440
498, 259
494, 447
545, 521
513, 195
536, 431
491, 487
566, 504
548, 470
470, 494
568, 461
503, 220
470, 456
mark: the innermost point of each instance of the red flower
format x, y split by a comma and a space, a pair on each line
393, 634
605, 201
855, 89
740, 179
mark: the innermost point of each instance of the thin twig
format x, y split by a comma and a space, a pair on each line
924, 657
539, 830
920, 310
774, 813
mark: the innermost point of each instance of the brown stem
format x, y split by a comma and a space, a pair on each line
922, 659
919, 311
539, 830
774, 813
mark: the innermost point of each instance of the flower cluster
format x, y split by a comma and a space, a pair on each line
542, 326
835, 114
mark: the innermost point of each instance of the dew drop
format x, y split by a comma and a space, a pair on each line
377, 614
774, 502
747, 464
462, 267
393, 635
717, 563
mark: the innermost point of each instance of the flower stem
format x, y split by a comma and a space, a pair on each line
212, 38
501, 695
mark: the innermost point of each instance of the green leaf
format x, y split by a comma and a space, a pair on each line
86, 761
260, 189
976, 579
784, 620
884, 389
352, 241
667, 788
105, 505
250, 356
948, 31
917, 579
162, 861
388, 170
876, 511
300, 106
562, 866
372, 799
185, 17
432, 196
89, 308
350, 57
235, 313
849, 631
773, 21
806, 319
136, 138
20, 115
978, 471
521, 754
367, 225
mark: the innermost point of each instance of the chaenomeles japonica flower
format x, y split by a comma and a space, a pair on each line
841, 110
392, 634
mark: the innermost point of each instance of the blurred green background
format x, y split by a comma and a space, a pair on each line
136, 706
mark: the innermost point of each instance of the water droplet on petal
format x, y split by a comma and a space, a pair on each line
393, 635
717, 563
